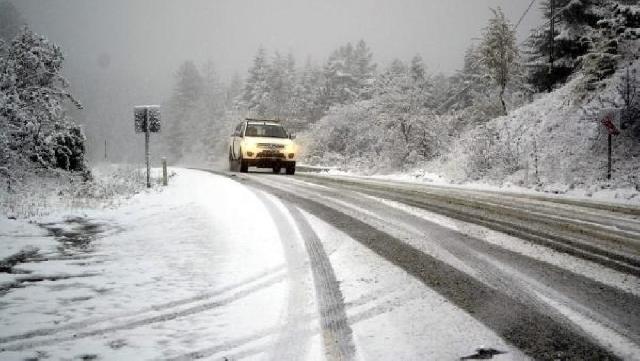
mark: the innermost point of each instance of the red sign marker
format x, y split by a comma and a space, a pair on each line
607, 121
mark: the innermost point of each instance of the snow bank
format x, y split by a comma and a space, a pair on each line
552, 145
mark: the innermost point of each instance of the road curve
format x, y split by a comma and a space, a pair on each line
546, 309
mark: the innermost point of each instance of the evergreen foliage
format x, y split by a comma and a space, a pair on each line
34, 125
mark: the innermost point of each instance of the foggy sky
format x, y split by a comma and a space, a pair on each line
150, 37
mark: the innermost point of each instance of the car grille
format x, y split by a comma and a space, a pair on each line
270, 146
270, 154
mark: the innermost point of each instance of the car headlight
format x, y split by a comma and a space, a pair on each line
249, 147
290, 148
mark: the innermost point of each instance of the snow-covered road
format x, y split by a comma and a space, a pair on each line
259, 266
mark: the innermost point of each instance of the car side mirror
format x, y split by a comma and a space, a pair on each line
292, 136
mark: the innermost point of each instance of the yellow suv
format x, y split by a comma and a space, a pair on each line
262, 144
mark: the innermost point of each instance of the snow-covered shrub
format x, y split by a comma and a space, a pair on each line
38, 192
488, 152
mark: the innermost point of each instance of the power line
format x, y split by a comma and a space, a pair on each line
525, 13
558, 12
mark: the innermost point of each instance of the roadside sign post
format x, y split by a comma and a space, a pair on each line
147, 120
610, 119
165, 179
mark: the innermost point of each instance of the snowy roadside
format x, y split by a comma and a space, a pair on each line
40, 194
45, 216
146, 279
598, 193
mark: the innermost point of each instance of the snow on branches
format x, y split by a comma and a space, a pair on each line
33, 100
499, 51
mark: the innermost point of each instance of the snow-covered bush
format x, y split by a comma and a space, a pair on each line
41, 191
489, 153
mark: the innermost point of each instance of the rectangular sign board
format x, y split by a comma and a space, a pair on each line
144, 112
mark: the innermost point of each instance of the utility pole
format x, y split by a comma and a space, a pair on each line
552, 31
105, 149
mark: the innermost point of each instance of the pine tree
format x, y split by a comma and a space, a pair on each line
363, 69
182, 110
499, 51
233, 92
308, 95
573, 24
349, 73
213, 106
417, 69
612, 40
629, 91
472, 93
280, 85
256, 91
189, 85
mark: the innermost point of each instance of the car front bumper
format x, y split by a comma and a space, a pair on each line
269, 162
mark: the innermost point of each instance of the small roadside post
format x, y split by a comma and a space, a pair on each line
165, 179
147, 120
610, 119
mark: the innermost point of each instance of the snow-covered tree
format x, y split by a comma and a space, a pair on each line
418, 72
499, 51
234, 90
34, 97
349, 73
573, 21
212, 110
281, 79
182, 109
588, 35
629, 92
189, 85
614, 39
470, 92
256, 89
364, 68
308, 93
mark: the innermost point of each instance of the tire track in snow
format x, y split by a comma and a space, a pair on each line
193, 310
535, 333
290, 345
371, 305
516, 224
337, 334
154, 308
613, 308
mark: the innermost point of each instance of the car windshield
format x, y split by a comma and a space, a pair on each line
265, 130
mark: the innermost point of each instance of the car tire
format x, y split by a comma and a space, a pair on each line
232, 163
276, 170
291, 170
